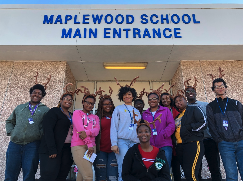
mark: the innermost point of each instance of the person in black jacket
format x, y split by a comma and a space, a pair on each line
190, 124
225, 117
55, 150
144, 162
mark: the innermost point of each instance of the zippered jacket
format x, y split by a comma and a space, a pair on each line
133, 168
164, 129
193, 124
19, 128
234, 116
203, 106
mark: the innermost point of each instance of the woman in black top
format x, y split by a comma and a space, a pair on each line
144, 162
55, 151
190, 124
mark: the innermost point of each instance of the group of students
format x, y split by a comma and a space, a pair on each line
131, 145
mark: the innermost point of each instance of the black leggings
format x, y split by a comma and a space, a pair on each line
190, 157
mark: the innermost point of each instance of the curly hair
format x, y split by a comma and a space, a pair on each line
39, 87
100, 111
126, 89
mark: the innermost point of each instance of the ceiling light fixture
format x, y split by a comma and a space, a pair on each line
125, 65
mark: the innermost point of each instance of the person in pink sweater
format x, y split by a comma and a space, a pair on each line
86, 127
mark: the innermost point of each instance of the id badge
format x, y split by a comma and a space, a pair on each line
131, 126
225, 124
154, 131
31, 120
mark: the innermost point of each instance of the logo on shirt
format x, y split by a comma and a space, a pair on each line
93, 122
159, 163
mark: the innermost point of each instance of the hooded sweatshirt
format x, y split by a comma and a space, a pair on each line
164, 129
120, 121
133, 168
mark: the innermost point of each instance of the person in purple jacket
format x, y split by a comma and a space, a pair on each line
162, 125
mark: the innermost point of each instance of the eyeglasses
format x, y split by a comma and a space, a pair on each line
153, 99
190, 91
66, 99
90, 103
219, 87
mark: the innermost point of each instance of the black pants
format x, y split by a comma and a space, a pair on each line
212, 155
175, 164
190, 157
56, 169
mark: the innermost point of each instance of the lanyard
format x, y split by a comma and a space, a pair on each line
171, 111
224, 108
70, 116
32, 112
154, 114
129, 113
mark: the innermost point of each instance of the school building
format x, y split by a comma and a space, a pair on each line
89, 45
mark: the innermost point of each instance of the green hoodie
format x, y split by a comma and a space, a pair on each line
19, 128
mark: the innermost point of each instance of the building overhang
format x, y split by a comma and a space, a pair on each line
86, 61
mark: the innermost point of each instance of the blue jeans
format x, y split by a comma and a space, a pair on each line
123, 146
105, 166
168, 154
232, 156
25, 156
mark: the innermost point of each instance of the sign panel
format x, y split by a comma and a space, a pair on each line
152, 26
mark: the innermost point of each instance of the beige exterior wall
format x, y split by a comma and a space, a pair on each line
233, 77
16, 79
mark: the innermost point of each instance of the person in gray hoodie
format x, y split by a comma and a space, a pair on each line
123, 125
24, 126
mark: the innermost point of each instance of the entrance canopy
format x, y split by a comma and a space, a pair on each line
86, 61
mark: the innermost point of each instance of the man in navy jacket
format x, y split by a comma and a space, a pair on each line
225, 125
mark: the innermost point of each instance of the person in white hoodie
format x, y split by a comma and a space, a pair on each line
123, 125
